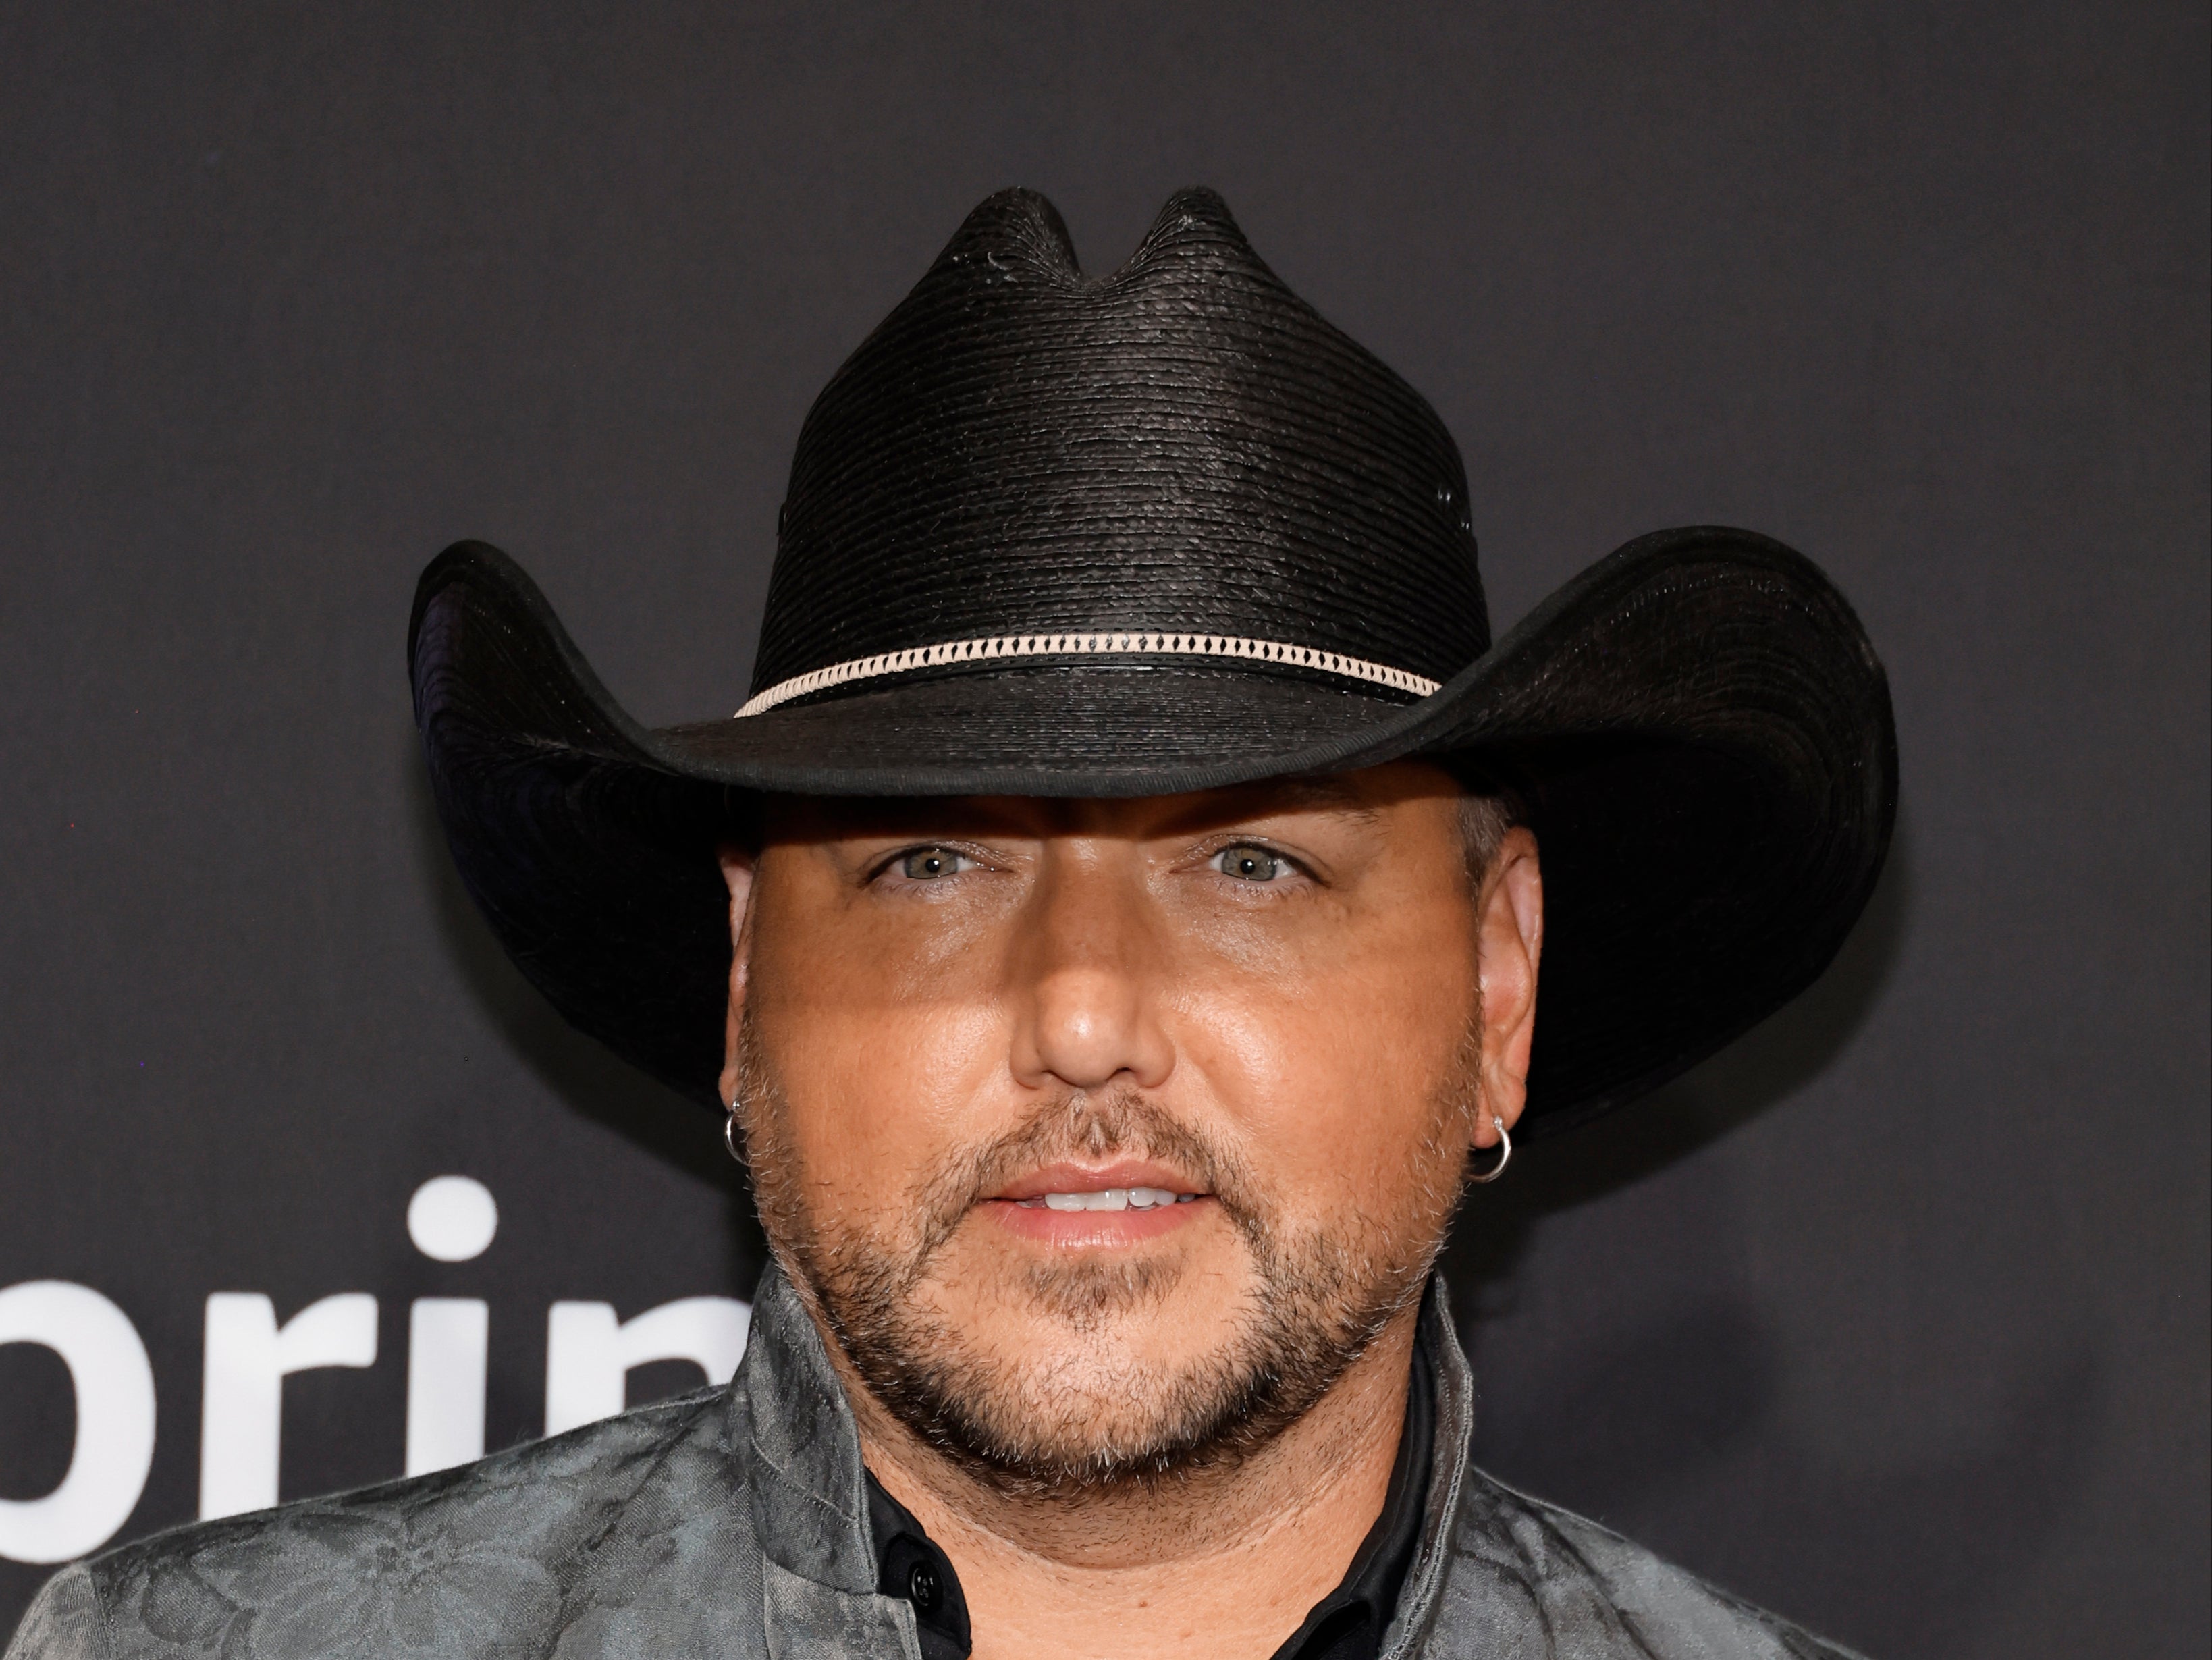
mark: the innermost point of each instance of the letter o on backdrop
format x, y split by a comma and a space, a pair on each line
114, 1445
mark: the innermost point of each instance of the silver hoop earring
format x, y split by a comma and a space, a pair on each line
1504, 1154
730, 1133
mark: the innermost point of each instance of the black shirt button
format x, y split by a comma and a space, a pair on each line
923, 1589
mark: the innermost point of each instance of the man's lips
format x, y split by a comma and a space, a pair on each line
1090, 1183
1096, 1206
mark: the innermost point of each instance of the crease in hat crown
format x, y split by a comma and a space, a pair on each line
1176, 462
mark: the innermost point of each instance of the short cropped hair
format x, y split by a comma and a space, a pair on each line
1486, 813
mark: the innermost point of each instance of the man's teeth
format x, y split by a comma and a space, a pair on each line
1112, 1199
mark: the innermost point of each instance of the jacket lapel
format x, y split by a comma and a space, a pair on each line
809, 1492
1419, 1599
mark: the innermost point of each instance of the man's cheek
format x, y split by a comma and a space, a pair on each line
861, 1145
1294, 1079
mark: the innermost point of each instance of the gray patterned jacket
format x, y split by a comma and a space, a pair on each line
733, 1523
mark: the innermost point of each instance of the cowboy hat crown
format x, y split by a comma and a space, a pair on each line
1179, 460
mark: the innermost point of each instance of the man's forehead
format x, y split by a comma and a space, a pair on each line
1365, 797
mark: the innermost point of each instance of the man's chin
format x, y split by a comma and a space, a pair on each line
1066, 1414
1085, 1384
1070, 1349
1143, 1303
1048, 1372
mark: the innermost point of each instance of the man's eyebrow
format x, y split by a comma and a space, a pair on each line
1325, 790
1320, 794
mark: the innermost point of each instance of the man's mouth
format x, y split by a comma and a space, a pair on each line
1110, 1199
1125, 1186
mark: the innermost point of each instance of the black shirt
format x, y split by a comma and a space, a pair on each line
1347, 1624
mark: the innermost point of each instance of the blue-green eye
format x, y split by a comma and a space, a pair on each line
1249, 864
929, 864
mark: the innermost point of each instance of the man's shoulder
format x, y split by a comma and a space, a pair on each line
463, 1561
1526, 1576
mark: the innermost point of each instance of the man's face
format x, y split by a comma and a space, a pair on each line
1104, 1135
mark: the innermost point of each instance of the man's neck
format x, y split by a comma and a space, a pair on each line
1223, 1562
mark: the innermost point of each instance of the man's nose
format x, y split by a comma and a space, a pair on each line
1088, 968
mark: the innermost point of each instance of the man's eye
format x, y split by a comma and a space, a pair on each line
928, 864
1249, 864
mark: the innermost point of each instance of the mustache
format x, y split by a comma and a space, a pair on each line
1076, 1124
1088, 1125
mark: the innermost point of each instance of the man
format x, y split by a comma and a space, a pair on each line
1113, 928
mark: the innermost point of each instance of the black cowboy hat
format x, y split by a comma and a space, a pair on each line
1164, 531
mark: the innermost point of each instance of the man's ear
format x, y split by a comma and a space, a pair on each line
1509, 916
737, 865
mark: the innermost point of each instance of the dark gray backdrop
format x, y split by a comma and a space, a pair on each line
1895, 1317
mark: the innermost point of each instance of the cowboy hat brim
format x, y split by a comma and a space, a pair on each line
1697, 725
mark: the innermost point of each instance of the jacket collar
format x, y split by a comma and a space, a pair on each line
793, 1428
1454, 1381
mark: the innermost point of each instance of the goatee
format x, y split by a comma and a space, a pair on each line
1079, 1416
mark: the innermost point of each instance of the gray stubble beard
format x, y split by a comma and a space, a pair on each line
1319, 1299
